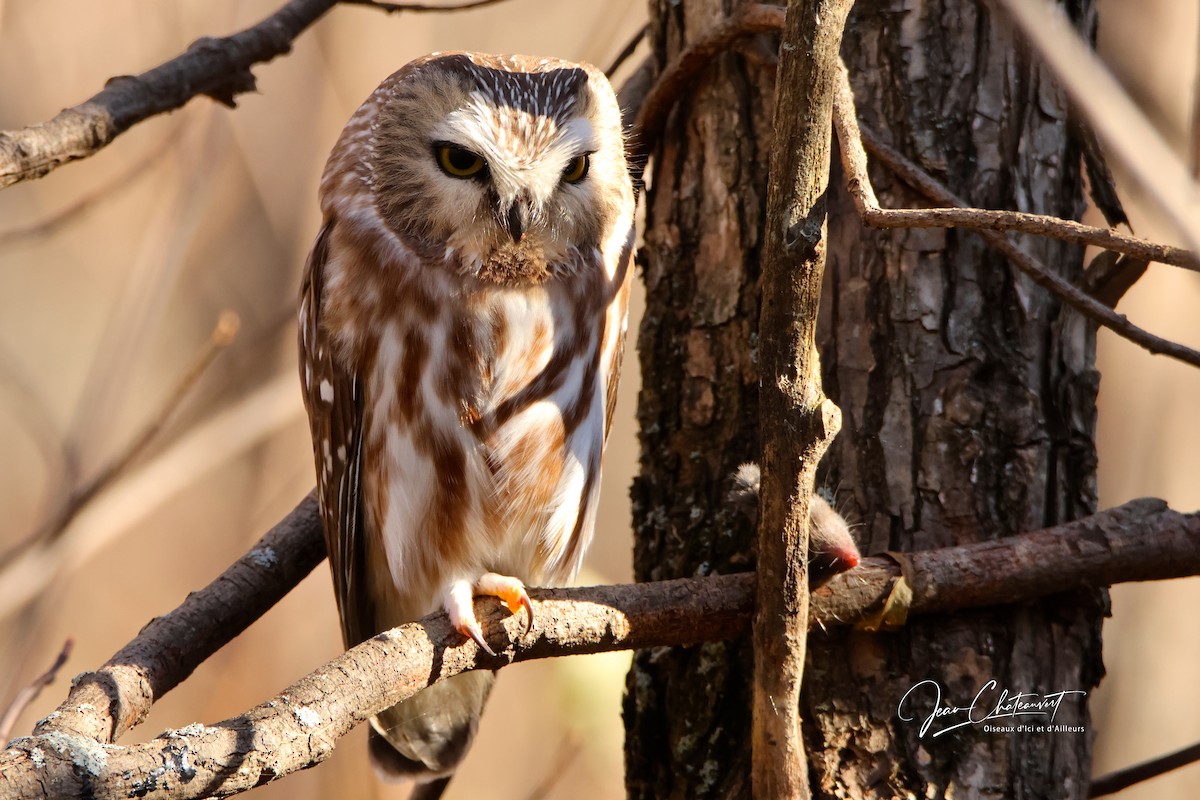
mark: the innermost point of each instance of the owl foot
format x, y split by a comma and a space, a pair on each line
462, 613
510, 590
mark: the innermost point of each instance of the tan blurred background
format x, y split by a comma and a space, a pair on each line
207, 210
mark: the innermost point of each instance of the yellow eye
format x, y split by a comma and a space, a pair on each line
457, 162
577, 169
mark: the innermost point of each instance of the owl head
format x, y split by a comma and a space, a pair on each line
507, 167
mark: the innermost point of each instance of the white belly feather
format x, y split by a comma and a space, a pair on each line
525, 478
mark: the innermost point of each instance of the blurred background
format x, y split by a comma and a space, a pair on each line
114, 272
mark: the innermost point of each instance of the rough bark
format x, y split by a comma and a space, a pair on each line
969, 402
797, 421
299, 727
967, 391
687, 710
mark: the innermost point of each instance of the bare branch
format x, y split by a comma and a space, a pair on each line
28, 694
1114, 782
797, 423
626, 51
298, 727
852, 138
393, 8
219, 68
1142, 540
119, 695
216, 67
1038, 224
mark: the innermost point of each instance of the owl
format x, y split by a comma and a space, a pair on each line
461, 326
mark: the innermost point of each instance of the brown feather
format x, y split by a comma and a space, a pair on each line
335, 420
460, 385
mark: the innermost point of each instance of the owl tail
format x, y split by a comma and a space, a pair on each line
425, 737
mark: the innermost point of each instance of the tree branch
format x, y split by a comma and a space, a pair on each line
393, 8
68, 756
1114, 782
217, 67
797, 423
627, 51
1142, 540
852, 139
104, 704
298, 727
1065, 230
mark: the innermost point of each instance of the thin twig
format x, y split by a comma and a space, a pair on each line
1114, 782
626, 51
687, 65
393, 8
1128, 135
222, 336
853, 138
30, 692
568, 751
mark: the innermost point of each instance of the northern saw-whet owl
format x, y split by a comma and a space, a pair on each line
462, 319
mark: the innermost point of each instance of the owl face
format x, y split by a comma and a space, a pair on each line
508, 168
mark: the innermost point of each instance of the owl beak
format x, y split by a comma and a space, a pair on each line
518, 219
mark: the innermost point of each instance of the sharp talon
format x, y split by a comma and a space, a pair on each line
476, 634
529, 608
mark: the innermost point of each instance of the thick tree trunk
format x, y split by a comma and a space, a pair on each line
967, 397
687, 710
